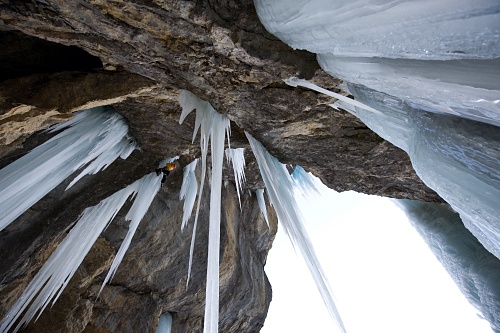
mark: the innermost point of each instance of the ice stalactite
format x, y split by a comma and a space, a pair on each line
237, 157
305, 183
55, 274
279, 186
165, 322
188, 191
295, 82
145, 192
94, 137
213, 126
262, 203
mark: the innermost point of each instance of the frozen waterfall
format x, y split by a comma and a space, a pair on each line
426, 66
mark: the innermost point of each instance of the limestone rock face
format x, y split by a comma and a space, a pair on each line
61, 56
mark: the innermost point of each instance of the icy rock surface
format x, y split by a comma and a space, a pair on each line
279, 187
440, 55
55, 274
475, 271
94, 137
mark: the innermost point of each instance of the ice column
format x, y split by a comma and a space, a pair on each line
55, 274
94, 137
280, 192
213, 126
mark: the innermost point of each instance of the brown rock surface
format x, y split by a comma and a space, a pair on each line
136, 55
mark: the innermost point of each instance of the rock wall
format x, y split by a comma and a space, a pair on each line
61, 56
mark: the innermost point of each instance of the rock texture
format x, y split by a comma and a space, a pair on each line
61, 56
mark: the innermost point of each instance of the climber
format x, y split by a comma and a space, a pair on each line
166, 170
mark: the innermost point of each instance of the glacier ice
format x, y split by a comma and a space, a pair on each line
55, 274
237, 157
475, 271
94, 137
262, 203
279, 186
214, 127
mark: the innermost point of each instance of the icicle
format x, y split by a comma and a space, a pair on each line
212, 126
165, 322
305, 183
148, 187
237, 157
262, 203
188, 191
55, 274
294, 82
280, 192
96, 136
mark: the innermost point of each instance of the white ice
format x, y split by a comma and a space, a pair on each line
214, 127
438, 56
188, 191
53, 277
94, 137
262, 203
165, 322
237, 157
279, 186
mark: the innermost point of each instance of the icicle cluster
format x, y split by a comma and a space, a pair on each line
237, 157
55, 274
95, 137
279, 187
213, 126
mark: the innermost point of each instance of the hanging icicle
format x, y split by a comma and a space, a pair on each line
213, 126
188, 191
95, 137
262, 203
237, 157
55, 274
280, 192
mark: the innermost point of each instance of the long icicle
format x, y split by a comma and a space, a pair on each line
188, 191
280, 192
213, 126
148, 187
55, 274
262, 203
237, 157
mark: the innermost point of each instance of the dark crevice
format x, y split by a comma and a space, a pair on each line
22, 55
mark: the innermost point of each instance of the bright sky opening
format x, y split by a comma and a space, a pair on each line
384, 277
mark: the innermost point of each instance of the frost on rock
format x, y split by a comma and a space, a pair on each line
262, 203
279, 186
237, 157
55, 274
213, 126
188, 191
94, 137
